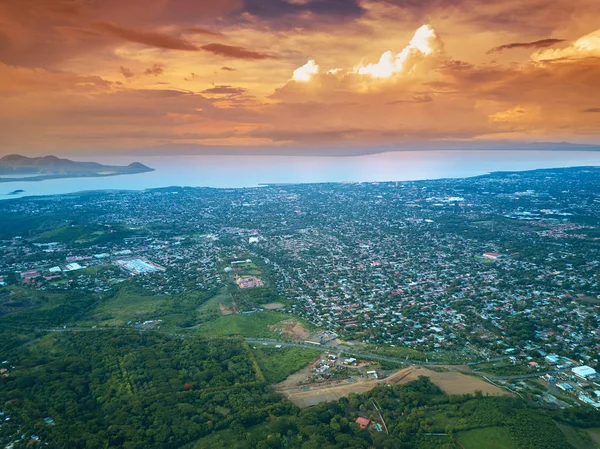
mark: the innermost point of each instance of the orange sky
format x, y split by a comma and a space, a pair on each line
313, 75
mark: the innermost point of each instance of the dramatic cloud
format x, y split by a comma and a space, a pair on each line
584, 47
535, 44
113, 75
306, 72
150, 38
235, 52
199, 30
424, 43
224, 90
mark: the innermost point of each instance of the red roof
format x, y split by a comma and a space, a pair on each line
363, 422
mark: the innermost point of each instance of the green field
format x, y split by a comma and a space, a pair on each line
210, 309
398, 352
88, 234
486, 438
126, 306
252, 325
277, 364
578, 438
248, 269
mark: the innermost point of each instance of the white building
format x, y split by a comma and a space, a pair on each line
584, 372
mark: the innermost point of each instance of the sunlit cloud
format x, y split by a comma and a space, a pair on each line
306, 72
367, 72
584, 47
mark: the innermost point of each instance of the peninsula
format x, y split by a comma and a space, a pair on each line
15, 167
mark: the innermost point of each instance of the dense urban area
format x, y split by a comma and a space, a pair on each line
416, 285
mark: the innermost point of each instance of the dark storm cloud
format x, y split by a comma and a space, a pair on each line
542, 43
150, 38
278, 8
224, 90
155, 70
233, 51
199, 30
127, 73
592, 110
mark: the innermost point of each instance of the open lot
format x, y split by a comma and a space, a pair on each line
291, 329
274, 306
452, 382
126, 306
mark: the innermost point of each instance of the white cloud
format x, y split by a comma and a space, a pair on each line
306, 72
586, 46
425, 42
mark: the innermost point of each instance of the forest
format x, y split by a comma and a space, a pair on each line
130, 389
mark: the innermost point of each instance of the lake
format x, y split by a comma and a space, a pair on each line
252, 171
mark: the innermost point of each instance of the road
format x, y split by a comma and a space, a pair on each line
347, 351
272, 342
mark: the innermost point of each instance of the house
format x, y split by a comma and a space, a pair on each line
362, 422
491, 255
26, 275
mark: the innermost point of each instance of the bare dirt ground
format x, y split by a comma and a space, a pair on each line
452, 382
291, 329
225, 310
294, 380
274, 306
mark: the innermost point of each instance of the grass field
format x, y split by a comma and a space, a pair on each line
252, 325
248, 269
127, 306
84, 234
210, 309
398, 352
594, 434
486, 438
277, 364
578, 438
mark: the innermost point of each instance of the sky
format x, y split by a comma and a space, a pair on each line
307, 76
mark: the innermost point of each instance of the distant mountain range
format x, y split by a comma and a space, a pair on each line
51, 167
356, 149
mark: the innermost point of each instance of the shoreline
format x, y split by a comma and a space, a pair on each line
12, 195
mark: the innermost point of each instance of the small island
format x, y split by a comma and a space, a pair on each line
15, 167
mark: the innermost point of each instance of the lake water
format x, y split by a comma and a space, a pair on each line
251, 171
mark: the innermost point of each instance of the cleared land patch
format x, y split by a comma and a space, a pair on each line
259, 324
278, 364
274, 306
452, 382
291, 329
